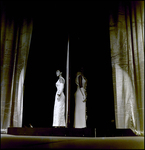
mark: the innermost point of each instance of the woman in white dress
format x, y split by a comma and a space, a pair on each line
59, 105
80, 101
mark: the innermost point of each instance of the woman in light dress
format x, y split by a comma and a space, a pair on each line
59, 105
80, 101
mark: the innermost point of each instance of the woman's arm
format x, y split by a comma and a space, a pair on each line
61, 87
80, 86
80, 81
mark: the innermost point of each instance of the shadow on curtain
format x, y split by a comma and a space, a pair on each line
16, 31
127, 53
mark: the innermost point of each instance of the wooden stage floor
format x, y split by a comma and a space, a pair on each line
58, 142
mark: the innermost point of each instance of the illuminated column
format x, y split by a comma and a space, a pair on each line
67, 89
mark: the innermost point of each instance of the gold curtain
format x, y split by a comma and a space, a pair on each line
16, 31
127, 54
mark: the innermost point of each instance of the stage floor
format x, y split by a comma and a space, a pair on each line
54, 142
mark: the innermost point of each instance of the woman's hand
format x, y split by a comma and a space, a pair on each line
84, 98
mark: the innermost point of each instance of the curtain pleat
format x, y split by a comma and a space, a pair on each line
127, 55
15, 44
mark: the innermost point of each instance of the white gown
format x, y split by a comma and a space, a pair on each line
59, 106
80, 106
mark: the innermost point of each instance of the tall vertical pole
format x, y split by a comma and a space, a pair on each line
67, 88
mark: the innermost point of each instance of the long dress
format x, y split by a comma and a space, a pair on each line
59, 106
80, 106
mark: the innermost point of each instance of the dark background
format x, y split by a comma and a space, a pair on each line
87, 25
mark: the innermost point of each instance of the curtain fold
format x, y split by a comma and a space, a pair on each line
127, 55
16, 32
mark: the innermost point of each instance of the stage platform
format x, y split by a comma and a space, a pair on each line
52, 132
59, 142
69, 132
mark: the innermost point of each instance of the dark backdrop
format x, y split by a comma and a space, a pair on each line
87, 25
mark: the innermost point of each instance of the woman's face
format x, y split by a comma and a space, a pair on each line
57, 73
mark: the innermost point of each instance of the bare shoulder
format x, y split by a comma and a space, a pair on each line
61, 80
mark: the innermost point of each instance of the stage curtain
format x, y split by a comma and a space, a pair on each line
127, 55
16, 31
